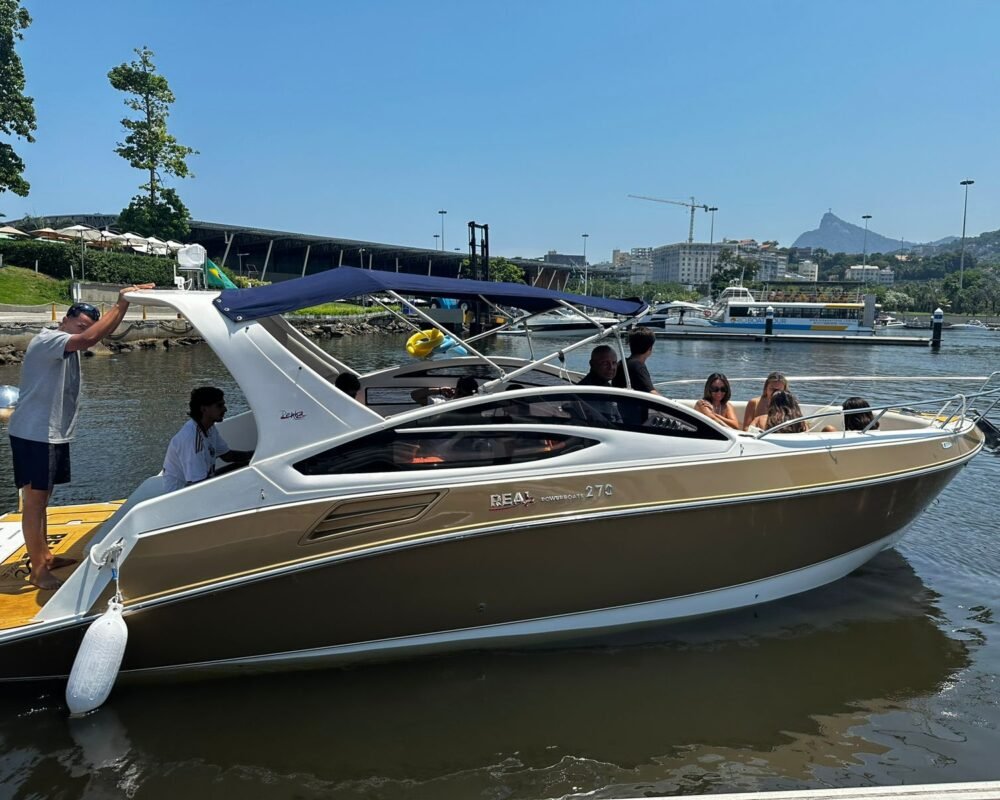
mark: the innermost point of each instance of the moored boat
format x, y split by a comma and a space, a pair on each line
678, 312
972, 326
379, 528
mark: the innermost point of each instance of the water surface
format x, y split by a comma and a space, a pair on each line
885, 677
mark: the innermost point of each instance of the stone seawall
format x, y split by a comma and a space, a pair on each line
166, 334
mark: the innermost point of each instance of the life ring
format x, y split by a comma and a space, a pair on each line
422, 344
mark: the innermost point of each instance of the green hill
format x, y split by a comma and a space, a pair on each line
24, 287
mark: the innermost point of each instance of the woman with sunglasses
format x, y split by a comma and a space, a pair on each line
43, 423
715, 401
775, 382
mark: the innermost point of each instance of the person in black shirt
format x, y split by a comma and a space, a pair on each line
640, 345
603, 364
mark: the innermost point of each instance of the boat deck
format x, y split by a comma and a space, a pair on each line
69, 530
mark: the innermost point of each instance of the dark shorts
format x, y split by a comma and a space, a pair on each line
39, 464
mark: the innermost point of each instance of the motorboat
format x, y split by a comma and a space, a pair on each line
559, 322
678, 312
885, 320
973, 325
377, 528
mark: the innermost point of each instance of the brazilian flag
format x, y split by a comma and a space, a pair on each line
215, 278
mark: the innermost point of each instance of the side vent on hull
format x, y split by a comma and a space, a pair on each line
355, 516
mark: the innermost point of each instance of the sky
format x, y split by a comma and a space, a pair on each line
362, 119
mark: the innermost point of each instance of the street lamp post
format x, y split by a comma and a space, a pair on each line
436, 237
711, 245
864, 256
240, 257
442, 212
586, 272
961, 263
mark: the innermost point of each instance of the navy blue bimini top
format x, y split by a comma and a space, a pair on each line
343, 283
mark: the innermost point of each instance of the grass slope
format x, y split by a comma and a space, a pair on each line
24, 287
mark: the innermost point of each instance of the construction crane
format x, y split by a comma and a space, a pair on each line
692, 205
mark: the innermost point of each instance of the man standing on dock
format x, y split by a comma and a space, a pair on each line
42, 426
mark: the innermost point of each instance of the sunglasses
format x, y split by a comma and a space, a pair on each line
717, 388
77, 309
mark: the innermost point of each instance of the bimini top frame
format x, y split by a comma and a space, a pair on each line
244, 305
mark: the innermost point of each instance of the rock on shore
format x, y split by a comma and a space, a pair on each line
16, 337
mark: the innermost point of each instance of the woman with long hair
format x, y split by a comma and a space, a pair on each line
861, 419
715, 399
782, 408
757, 407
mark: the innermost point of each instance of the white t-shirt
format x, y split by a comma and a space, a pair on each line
191, 455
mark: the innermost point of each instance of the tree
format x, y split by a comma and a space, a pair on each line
501, 270
167, 218
148, 146
17, 111
729, 268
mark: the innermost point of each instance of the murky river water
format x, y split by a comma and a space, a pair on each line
888, 676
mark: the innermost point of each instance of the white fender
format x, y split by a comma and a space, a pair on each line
97, 661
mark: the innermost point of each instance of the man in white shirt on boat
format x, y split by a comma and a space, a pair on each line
192, 453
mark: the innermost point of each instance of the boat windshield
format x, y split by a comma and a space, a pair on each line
481, 435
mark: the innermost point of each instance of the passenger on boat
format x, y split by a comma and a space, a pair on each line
640, 345
44, 422
860, 420
603, 366
349, 384
192, 452
431, 395
715, 401
758, 406
782, 407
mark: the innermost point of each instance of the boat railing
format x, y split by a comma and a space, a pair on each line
951, 411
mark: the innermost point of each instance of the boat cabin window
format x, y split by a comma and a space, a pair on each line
567, 408
408, 449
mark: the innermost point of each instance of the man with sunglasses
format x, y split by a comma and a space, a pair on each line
43, 423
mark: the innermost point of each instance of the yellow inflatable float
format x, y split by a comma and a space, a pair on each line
422, 344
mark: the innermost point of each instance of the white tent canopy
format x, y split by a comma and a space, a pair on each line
84, 232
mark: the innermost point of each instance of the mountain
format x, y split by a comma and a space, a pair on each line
837, 236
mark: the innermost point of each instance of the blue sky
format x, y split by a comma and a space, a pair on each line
363, 119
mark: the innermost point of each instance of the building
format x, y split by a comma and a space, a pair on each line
808, 271
689, 263
637, 263
692, 263
870, 274
564, 259
772, 265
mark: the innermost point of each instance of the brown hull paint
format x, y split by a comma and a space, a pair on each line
500, 577
203, 553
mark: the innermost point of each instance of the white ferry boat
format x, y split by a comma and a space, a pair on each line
737, 310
